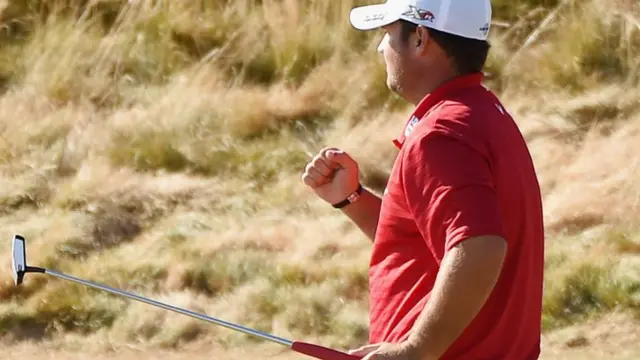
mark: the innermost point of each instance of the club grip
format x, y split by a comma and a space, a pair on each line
321, 352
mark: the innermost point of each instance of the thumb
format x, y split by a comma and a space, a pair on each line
339, 158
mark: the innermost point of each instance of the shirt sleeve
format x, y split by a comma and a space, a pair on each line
450, 191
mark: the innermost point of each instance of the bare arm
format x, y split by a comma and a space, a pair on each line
467, 276
365, 213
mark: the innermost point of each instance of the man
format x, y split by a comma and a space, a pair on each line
458, 240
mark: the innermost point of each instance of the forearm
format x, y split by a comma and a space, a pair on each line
468, 275
365, 212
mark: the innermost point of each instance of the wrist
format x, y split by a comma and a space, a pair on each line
350, 199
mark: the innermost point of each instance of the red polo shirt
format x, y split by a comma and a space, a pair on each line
463, 170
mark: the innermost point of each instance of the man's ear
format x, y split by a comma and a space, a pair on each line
422, 39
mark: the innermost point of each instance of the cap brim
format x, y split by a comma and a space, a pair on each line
372, 17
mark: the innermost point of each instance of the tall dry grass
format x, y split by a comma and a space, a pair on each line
157, 147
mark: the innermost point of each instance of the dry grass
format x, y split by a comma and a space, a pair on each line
157, 147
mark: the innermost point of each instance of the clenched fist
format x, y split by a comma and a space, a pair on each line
332, 174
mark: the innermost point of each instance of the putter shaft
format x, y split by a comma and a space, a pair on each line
129, 295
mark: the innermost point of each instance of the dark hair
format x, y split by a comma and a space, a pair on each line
469, 55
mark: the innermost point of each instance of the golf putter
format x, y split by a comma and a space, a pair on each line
20, 268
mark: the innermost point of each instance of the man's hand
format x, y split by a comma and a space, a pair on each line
332, 174
386, 351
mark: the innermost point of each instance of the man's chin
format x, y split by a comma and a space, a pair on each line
392, 85
395, 88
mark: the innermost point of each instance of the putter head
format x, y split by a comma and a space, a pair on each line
19, 259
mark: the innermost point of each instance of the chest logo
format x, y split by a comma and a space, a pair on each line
411, 125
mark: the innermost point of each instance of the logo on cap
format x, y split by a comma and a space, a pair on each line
485, 29
419, 14
374, 17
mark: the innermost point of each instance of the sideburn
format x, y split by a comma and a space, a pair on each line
406, 29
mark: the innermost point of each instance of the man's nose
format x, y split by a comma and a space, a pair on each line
383, 43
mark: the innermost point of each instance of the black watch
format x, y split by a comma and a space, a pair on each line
350, 199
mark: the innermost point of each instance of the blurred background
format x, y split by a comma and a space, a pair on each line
157, 147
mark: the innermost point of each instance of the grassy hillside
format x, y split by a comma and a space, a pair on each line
157, 147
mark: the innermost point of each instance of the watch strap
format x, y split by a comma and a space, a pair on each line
350, 199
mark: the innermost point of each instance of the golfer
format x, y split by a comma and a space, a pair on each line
456, 270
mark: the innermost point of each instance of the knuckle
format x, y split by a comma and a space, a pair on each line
323, 152
308, 167
317, 163
309, 181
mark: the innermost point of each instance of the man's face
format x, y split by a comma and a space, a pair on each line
399, 58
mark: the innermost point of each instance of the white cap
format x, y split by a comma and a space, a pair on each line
466, 18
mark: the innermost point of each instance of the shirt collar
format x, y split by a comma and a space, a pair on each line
445, 90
